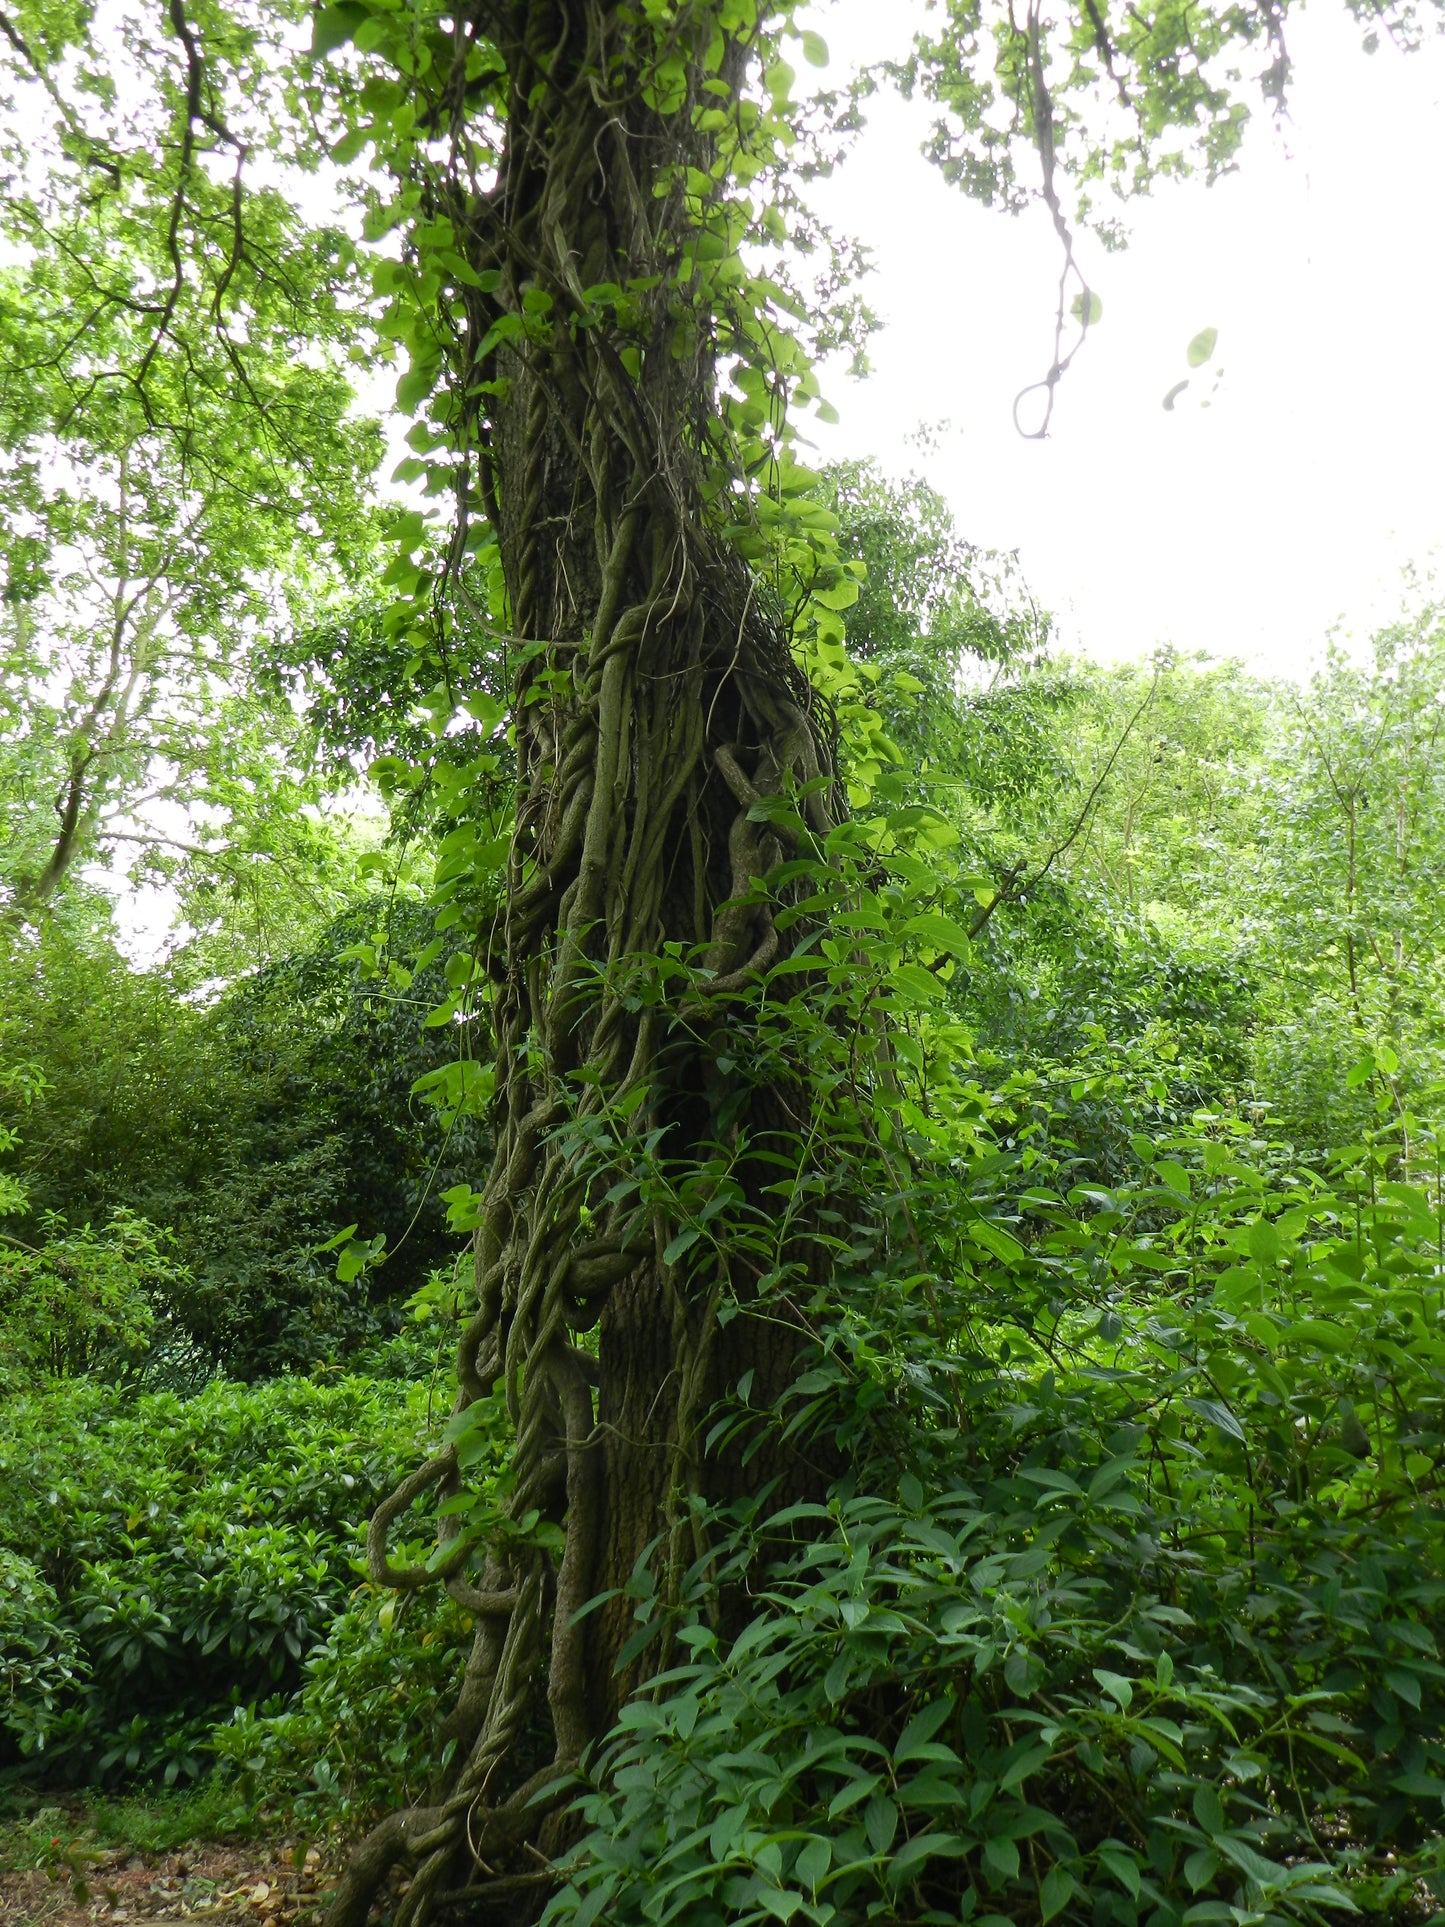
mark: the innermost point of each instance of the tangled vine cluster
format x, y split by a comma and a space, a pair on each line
659, 712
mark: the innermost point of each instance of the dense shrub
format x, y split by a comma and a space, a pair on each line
1132, 1613
251, 1127
83, 1300
360, 1735
166, 1559
40, 1662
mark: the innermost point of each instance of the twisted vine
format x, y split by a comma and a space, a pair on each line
658, 709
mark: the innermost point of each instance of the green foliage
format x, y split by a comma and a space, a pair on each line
167, 1559
1351, 814
1146, 1628
250, 1128
181, 466
67, 1839
39, 1652
359, 1736
84, 1301
926, 592
1248, 863
1124, 1608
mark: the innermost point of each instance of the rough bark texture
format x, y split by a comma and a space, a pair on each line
663, 705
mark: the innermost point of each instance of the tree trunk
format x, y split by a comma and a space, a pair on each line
659, 707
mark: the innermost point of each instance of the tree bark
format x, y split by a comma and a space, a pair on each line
660, 704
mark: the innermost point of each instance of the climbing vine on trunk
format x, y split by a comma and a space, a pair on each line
576, 284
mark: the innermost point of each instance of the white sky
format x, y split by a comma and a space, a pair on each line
1298, 497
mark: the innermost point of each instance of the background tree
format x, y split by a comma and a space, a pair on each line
182, 472
1346, 898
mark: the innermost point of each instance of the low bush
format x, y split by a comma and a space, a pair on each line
360, 1734
1131, 1615
166, 1560
84, 1301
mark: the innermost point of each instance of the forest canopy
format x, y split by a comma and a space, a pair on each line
759, 1249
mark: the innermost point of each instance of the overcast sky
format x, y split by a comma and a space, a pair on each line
1314, 478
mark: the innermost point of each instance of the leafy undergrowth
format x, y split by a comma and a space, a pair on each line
164, 1561
174, 1858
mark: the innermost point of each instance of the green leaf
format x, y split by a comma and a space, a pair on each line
350, 145
1318, 1333
920, 984
1031, 1761
1219, 1416
940, 933
815, 49
778, 79
1087, 309
1329, 1895
1405, 1684
1001, 1857
781, 1902
880, 1822
994, 1239
1055, 1891
1123, 1866
333, 27
1208, 1811
850, 1795
919, 1730
1420, 1786
1201, 347
1200, 1868
680, 1242
925, 1846
1116, 1686
414, 386
1250, 1861
1265, 1242
813, 1861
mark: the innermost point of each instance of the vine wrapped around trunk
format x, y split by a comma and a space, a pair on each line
658, 711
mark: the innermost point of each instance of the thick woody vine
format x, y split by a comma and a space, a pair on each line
577, 280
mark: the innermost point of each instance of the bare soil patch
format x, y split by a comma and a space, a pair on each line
55, 1877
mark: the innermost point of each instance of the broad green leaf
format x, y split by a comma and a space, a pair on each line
1201, 347
813, 1862
1219, 1416
1404, 1683
1123, 1866
679, 1243
1001, 1857
880, 1822
1265, 1243
1208, 1811
1250, 1861
1115, 1685
1056, 1889
938, 932
920, 1729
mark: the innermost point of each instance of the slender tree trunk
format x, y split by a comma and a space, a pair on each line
660, 706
